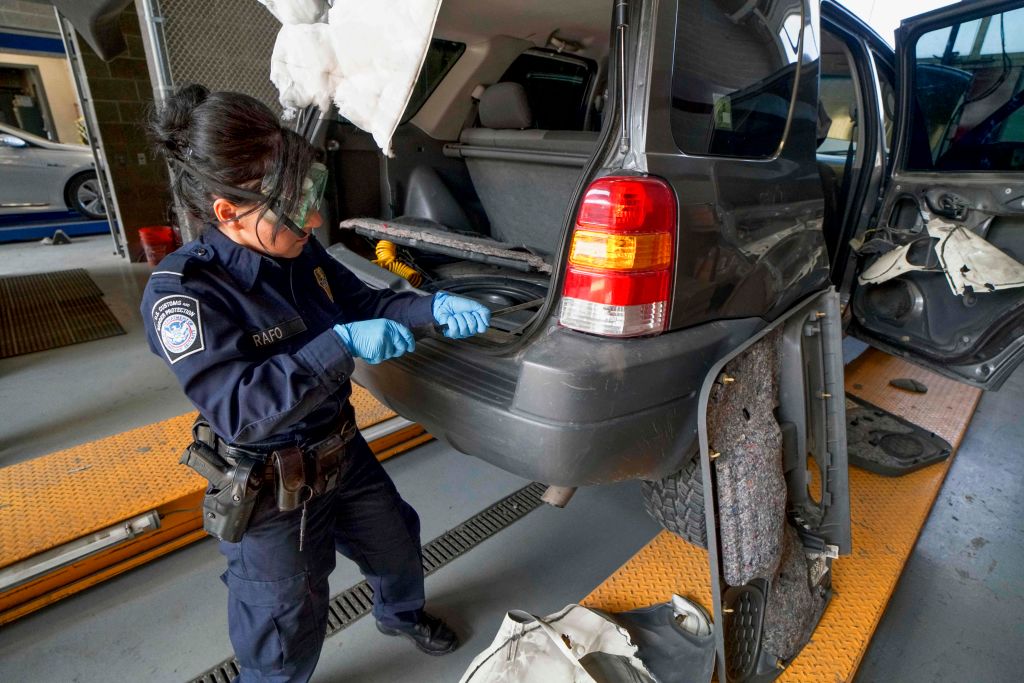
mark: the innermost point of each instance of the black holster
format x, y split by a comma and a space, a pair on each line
234, 484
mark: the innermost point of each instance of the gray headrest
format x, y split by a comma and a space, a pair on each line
504, 105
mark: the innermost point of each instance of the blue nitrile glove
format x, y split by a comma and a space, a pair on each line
462, 317
376, 340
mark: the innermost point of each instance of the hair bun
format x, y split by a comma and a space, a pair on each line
171, 124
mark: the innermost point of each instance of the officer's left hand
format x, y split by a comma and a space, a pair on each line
460, 316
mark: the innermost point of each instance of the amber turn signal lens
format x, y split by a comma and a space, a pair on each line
609, 251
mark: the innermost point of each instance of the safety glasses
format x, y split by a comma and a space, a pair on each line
313, 188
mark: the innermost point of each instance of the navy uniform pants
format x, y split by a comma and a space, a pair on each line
278, 595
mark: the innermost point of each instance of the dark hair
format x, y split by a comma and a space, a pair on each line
219, 141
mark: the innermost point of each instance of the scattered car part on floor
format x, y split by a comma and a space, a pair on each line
888, 444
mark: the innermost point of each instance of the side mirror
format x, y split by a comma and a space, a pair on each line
11, 141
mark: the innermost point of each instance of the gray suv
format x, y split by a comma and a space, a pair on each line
676, 213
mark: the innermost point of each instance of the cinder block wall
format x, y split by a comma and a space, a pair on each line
123, 95
27, 16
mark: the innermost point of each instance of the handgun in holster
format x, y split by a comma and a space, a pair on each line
233, 486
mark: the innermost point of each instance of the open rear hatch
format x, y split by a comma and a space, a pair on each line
475, 200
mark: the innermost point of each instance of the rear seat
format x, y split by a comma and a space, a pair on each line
523, 176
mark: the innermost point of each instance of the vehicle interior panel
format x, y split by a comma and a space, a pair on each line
919, 309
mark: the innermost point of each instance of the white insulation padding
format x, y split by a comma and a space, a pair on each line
366, 58
303, 67
297, 11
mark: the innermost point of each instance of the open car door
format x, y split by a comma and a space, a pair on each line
940, 274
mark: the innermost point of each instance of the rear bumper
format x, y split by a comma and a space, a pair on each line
571, 409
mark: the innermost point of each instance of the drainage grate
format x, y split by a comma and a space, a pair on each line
357, 601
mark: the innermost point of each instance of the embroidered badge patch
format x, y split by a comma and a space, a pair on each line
179, 326
321, 279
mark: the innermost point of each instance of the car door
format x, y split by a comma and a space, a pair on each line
940, 272
25, 180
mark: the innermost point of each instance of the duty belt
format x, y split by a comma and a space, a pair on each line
237, 474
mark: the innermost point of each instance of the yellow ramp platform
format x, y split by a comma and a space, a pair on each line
887, 516
57, 499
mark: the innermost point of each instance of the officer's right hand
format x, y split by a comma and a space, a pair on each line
376, 340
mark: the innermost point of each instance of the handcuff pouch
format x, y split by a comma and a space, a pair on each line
290, 478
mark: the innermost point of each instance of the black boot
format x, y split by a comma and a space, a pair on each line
429, 634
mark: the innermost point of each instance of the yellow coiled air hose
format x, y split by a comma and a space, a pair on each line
387, 258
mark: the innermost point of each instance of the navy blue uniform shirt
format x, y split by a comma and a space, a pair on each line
250, 337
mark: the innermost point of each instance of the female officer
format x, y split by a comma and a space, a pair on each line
261, 326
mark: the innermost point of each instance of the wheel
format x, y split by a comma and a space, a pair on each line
677, 503
85, 197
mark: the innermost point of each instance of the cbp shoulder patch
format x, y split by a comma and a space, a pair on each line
179, 326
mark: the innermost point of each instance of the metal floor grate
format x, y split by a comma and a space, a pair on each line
357, 601
43, 311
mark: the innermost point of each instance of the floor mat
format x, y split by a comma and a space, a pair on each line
49, 310
886, 444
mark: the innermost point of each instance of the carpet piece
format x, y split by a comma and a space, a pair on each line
794, 603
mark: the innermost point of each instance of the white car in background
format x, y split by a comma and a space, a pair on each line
38, 175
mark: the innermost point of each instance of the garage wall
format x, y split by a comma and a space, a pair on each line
40, 47
27, 16
123, 94
60, 91
224, 45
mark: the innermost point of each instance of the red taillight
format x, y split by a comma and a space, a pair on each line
619, 278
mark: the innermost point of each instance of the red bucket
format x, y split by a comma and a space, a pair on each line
157, 242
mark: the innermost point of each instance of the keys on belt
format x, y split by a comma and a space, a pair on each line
304, 473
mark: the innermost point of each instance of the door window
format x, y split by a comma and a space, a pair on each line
888, 93
441, 57
839, 100
734, 75
968, 92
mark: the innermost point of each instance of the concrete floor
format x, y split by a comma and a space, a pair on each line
954, 616
63, 397
957, 612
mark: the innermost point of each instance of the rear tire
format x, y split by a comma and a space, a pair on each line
85, 196
677, 503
